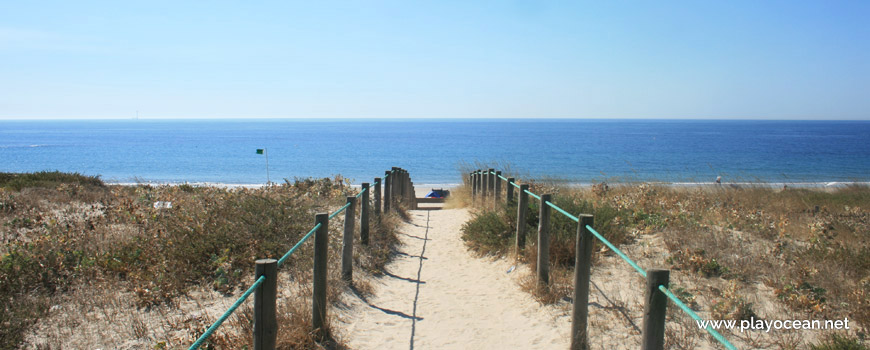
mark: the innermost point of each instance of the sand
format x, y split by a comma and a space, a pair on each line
436, 295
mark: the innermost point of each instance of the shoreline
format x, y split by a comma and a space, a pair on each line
824, 184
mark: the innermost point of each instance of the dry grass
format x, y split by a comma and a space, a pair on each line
63, 243
809, 247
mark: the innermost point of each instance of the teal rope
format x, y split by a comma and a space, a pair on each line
227, 314
260, 280
622, 255
689, 311
305, 238
572, 217
533, 195
512, 183
617, 251
363, 191
339, 210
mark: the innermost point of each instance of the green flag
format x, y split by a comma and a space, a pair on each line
259, 151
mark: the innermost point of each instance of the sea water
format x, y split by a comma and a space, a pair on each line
437, 151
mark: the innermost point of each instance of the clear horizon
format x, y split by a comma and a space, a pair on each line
745, 60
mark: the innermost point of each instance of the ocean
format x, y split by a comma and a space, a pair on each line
435, 151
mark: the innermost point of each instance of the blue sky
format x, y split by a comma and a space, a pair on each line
435, 59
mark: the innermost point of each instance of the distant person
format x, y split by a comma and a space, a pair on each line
718, 179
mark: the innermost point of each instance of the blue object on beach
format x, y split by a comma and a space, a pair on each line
438, 193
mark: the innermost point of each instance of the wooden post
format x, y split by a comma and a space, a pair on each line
265, 314
497, 189
400, 185
398, 189
476, 185
484, 185
364, 215
522, 209
347, 241
510, 190
377, 199
388, 183
491, 184
406, 185
472, 177
394, 190
582, 270
654, 310
413, 195
544, 242
321, 244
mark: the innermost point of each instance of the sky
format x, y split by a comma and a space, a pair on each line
435, 59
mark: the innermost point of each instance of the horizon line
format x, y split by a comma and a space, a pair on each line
406, 118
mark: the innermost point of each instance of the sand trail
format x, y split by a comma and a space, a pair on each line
436, 295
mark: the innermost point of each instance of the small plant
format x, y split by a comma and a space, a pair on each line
732, 305
488, 232
695, 260
803, 296
840, 342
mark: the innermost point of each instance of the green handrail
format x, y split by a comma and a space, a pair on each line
617, 251
716, 335
689, 311
339, 210
533, 195
226, 314
304, 238
202, 338
572, 217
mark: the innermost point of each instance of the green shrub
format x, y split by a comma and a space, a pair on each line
489, 232
840, 342
563, 230
46, 179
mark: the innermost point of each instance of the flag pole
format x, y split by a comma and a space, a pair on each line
268, 180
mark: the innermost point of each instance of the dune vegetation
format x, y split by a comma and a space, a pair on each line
728, 248
86, 264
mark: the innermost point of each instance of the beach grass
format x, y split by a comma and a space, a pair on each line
65, 233
810, 246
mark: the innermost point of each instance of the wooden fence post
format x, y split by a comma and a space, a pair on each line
491, 182
497, 189
484, 185
404, 188
510, 190
522, 210
582, 270
364, 215
655, 309
388, 183
378, 198
265, 314
406, 185
321, 244
347, 241
478, 179
412, 197
400, 185
394, 188
474, 184
544, 242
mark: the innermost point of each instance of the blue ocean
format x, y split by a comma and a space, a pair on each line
435, 151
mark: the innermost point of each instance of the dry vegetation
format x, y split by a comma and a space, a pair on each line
87, 265
735, 253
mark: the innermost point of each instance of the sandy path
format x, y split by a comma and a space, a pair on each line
437, 296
